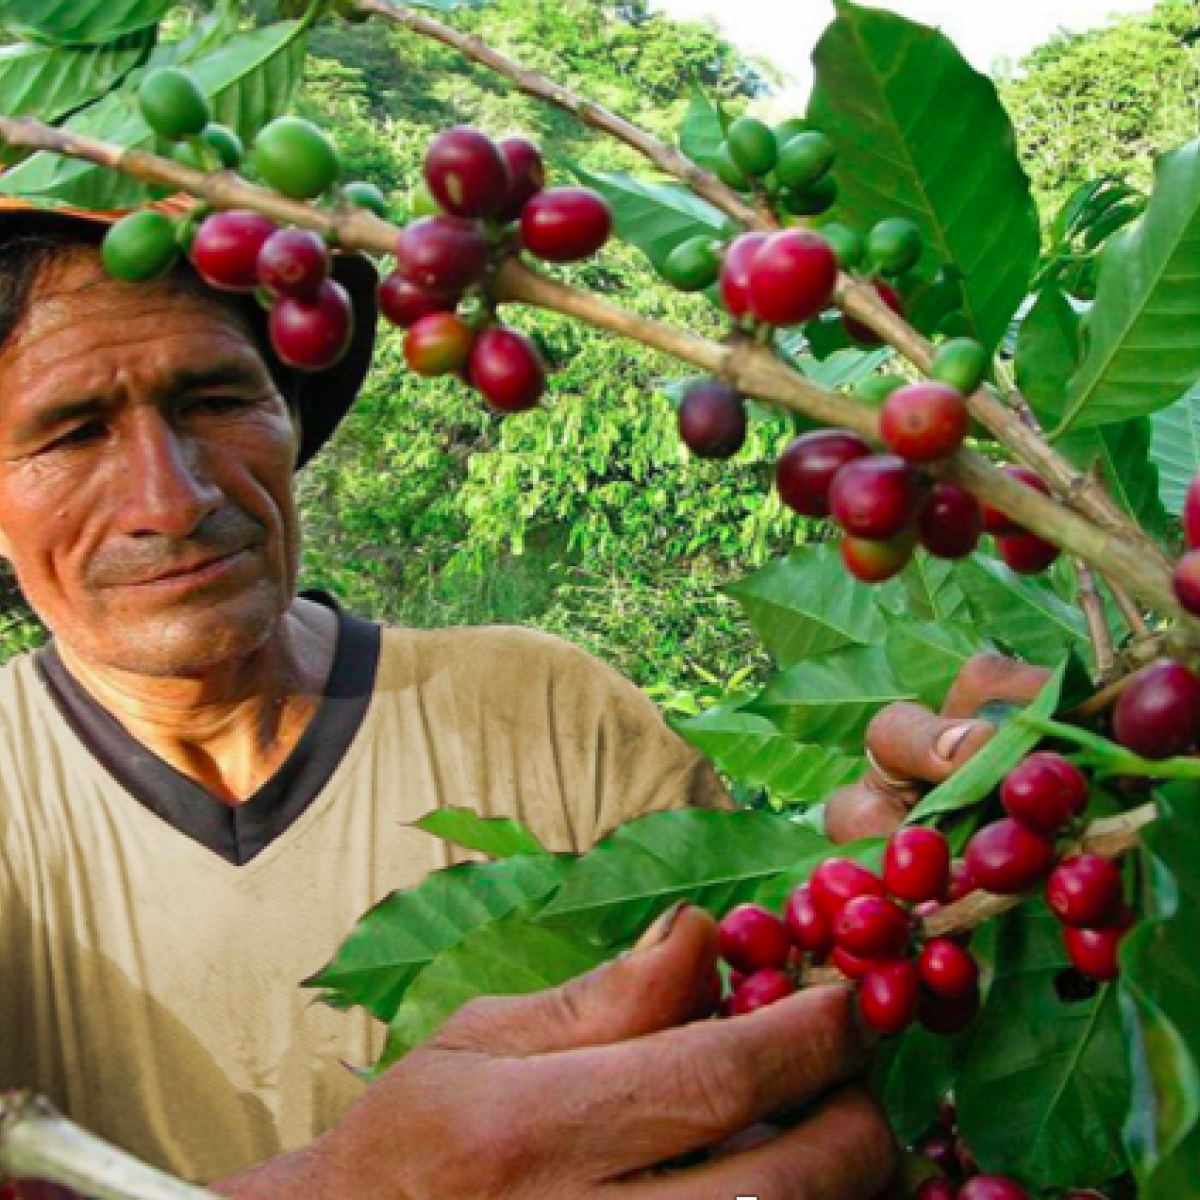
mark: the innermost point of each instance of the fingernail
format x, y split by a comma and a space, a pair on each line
658, 933
950, 739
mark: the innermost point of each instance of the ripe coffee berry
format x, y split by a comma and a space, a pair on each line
805, 470
404, 303
864, 335
1191, 514
935, 1189
875, 561
1009, 858
962, 882
876, 497
951, 521
916, 864
438, 344
225, 248
1158, 713
313, 333
994, 521
760, 989
1085, 891
1026, 553
565, 224
293, 262
442, 254
792, 277
507, 369
837, 880
526, 175
947, 969
924, 421
1044, 792
751, 938
1185, 579
712, 419
1093, 952
735, 273
888, 996
992, 1187
466, 172
851, 965
808, 928
872, 927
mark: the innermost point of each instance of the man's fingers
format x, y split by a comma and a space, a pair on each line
908, 742
844, 1151
863, 810
990, 677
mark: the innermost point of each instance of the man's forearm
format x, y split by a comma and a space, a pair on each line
302, 1175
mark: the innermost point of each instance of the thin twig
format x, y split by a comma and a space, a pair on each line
1133, 615
1093, 612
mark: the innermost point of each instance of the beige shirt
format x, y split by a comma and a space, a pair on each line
149, 987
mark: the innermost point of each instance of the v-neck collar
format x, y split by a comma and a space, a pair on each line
237, 832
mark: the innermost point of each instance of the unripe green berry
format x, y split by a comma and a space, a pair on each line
225, 144
811, 201
172, 104
296, 158
960, 362
366, 195
804, 160
421, 202
894, 245
728, 171
751, 146
693, 265
792, 127
140, 246
847, 244
878, 388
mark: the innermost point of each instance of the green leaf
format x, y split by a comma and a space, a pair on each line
498, 837
79, 22
754, 751
510, 957
913, 1075
804, 605
1021, 612
399, 937
1160, 998
701, 134
1048, 351
933, 591
1144, 327
975, 780
1175, 448
1126, 466
1043, 1083
832, 699
248, 81
926, 657
920, 134
713, 859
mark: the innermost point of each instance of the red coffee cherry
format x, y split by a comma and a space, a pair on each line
751, 938
293, 262
762, 988
1191, 514
837, 880
712, 419
947, 969
924, 421
735, 273
442, 254
992, 1187
994, 521
792, 277
945, 1017
874, 561
313, 334
1093, 952
226, 246
1009, 858
438, 344
466, 172
1185, 579
526, 175
805, 470
962, 882
808, 928
1158, 713
565, 224
507, 369
935, 1189
863, 334
872, 927
916, 864
888, 996
951, 521
1085, 891
1044, 792
1026, 553
403, 303
851, 965
876, 498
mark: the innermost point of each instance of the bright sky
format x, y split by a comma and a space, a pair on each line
785, 31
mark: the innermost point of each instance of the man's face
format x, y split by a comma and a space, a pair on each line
146, 462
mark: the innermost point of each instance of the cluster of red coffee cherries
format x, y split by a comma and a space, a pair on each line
493, 199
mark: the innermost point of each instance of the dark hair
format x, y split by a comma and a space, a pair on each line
25, 257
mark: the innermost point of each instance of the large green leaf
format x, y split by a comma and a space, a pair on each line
756, 752
805, 605
713, 859
1144, 327
1049, 346
498, 837
922, 135
1160, 1001
1175, 449
932, 590
404, 932
79, 22
248, 80
926, 656
1043, 1084
831, 699
702, 131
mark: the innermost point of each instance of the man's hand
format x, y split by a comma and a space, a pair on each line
909, 746
582, 1092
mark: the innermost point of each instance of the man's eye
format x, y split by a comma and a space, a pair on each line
215, 404
78, 436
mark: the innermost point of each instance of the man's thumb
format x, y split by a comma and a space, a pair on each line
663, 982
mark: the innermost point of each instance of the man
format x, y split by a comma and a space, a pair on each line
206, 779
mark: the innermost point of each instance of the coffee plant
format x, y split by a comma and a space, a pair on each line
1004, 455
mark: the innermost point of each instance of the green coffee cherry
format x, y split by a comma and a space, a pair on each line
804, 160
693, 265
894, 245
140, 246
225, 144
751, 146
792, 127
296, 158
728, 171
366, 195
878, 388
172, 105
811, 201
422, 203
848, 245
962, 363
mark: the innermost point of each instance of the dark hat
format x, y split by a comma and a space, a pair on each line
323, 397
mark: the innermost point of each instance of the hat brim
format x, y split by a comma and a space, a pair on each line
323, 397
